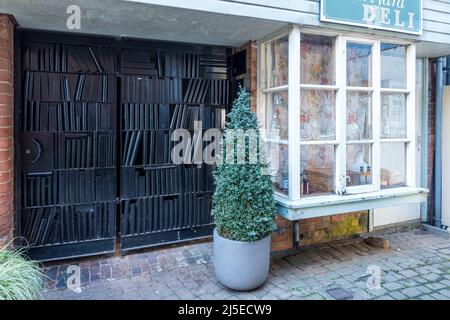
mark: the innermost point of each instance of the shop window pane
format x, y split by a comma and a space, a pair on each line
317, 60
393, 163
277, 55
359, 164
277, 115
359, 116
318, 167
393, 115
359, 65
317, 117
393, 66
278, 156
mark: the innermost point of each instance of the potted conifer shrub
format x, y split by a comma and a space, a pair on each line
243, 205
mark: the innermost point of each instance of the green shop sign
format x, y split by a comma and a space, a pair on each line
394, 15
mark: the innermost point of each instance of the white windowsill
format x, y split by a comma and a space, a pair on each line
333, 204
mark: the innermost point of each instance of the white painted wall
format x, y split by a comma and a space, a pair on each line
398, 214
436, 13
446, 157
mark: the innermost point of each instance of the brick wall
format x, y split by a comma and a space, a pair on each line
250, 76
283, 237
335, 227
6, 127
319, 230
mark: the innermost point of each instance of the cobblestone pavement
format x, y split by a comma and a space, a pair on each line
416, 267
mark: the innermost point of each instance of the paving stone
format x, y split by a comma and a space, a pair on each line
446, 283
439, 296
424, 289
426, 297
411, 292
340, 294
418, 270
359, 294
420, 280
435, 286
397, 295
132, 295
408, 283
392, 286
116, 291
280, 293
315, 296
408, 273
445, 292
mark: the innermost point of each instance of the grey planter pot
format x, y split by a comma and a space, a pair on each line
240, 265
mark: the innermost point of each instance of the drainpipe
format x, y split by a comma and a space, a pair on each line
448, 71
438, 152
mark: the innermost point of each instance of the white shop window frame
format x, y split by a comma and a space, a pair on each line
344, 195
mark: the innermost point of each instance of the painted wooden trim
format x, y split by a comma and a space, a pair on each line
411, 116
329, 205
294, 114
341, 116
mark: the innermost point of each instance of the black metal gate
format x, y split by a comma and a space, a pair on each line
95, 120
163, 88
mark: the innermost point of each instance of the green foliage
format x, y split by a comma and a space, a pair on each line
20, 278
243, 203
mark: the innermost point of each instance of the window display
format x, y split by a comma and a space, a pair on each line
393, 164
318, 167
317, 60
278, 154
393, 115
317, 117
359, 164
359, 116
277, 63
393, 66
277, 115
351, 100
359, 65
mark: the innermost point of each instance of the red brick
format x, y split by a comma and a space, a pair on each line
6, 66
6, 125
6, 165
6, 187
6, 197
5, 44
6, 121
5, 110
6, 209
5, 155
6, 77
5, 230
6, 132
7, 99
5, 142
5, 176
6, 87
282, 239
6, 54
5, 219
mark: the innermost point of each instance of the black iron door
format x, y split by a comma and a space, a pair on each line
67, 146
95, 119
164, 88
